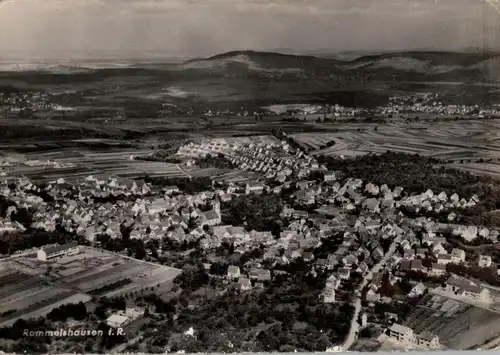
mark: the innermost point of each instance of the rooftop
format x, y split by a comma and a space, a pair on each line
58, 248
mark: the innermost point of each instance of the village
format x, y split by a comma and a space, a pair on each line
356, 233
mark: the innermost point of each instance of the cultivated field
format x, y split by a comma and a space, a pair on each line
26, 294
457, 140
458, 325
76, 164
313, 141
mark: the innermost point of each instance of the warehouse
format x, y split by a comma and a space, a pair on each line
59, 250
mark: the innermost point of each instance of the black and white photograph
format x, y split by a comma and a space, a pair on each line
249, 176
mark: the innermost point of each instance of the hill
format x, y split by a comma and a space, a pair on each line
263, 61
415, 65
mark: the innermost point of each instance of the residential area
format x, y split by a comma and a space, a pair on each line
367, 256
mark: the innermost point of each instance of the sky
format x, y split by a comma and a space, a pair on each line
72, 29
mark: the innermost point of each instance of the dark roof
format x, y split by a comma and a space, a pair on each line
58, 248
209, 215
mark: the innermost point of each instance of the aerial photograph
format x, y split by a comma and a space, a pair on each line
229, 176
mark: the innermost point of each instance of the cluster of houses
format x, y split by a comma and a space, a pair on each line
430, 104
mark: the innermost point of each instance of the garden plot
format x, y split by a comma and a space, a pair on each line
155, 278
23, 294
90, 273
110, 277
23, 283
32, 299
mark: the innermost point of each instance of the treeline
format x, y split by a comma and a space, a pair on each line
188, 185
36, 238
255, 212
218, 161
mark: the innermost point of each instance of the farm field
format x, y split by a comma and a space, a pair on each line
26, 294
458, 325
456, 140
313, 141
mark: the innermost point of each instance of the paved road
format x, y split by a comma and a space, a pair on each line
351, 337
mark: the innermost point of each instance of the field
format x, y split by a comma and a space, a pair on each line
32, 288
462, 143
457, 140
77, 163
458, 325
313, 141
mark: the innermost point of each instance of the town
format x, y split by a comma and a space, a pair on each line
160, 252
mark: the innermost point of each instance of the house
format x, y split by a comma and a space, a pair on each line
56, 251
457, 255
484, 261
437, 269
212, 217
418, 290
372, 295
401, 333
428, 340
330, 176
117, 321
329, 294
244, 284
444, 259
371, 204
233, 272
344, 273
466, 288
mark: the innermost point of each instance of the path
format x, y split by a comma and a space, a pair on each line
351, 337
182, 171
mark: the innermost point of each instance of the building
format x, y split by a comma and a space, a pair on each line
233, 272
244, 284
59, 250
428, 340
254, 188
401, 333
457, 256
329, 293
466, 288
444, 259
330, 176
484, 261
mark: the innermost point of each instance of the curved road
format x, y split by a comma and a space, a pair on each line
351, 337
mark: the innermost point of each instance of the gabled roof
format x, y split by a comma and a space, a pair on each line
58, 248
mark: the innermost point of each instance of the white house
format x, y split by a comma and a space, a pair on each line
457, 255
233, 272
116, 321
401, 333
484, 261
254, 188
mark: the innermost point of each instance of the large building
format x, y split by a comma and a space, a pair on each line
59, 250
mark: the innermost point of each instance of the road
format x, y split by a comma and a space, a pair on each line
351, 337
182, 171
